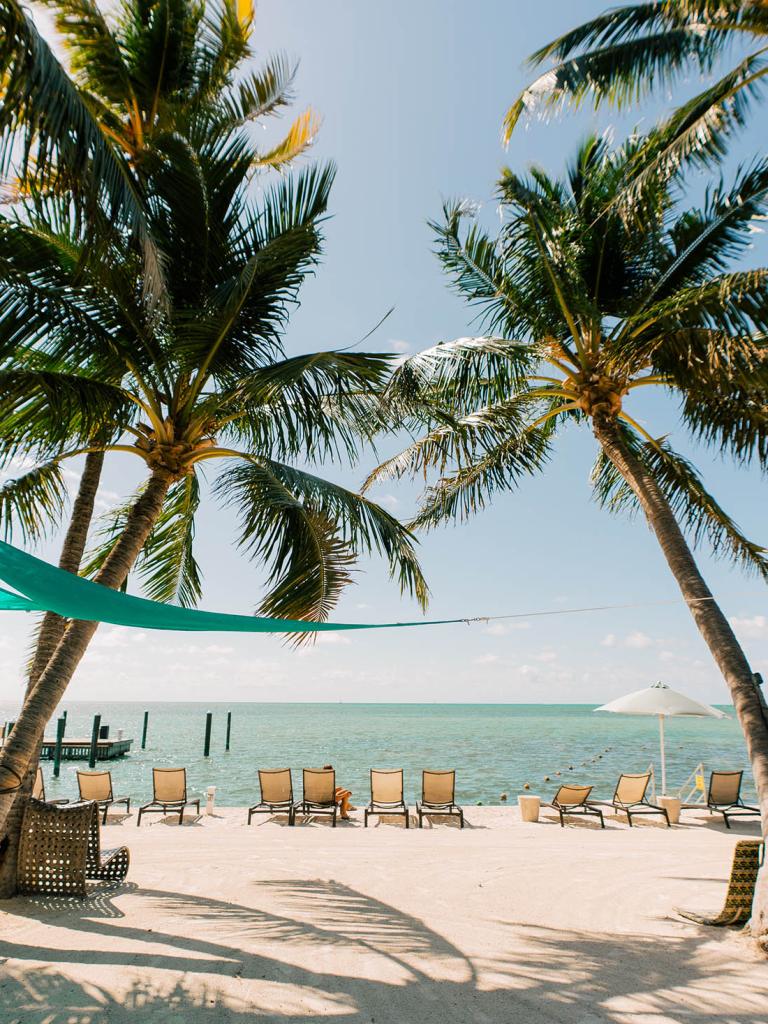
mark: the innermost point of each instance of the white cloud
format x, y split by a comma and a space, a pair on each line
389, 501
486, 659
637, 640
546, 656
339, 639
398, 345
118, 636
504, 628
754, 626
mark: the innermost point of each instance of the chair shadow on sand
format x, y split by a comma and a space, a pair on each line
199, 976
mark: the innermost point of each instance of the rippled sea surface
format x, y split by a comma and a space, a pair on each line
495, 748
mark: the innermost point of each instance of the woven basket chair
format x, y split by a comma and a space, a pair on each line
741, 887
60, 850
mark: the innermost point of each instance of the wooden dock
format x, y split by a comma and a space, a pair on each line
80, 750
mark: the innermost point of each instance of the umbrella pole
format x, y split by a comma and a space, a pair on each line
663, 757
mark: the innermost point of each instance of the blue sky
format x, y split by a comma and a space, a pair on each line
412, 97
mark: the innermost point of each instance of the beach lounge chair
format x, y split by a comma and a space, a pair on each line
169, 787
741, 887
386, 795
437, 796
572, 799
276, 787
319, 796
98, 786
630, 797
38, 789
724, 796
60, 850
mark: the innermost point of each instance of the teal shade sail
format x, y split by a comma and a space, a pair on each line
44, 587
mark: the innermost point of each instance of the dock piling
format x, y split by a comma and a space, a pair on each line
229, 729
207, 744
144, 730
61, 725
94, 741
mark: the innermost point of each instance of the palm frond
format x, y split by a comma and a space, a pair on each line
33, 502
273, 498
58, 408
43, 109
166, 565
694, 507
463, 493
259, 94
299, 138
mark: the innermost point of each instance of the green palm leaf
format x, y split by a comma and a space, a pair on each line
272, 498
689, 499
33, 502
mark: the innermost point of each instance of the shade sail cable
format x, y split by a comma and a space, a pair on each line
43, 587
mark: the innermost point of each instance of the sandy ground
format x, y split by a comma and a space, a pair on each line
503, 922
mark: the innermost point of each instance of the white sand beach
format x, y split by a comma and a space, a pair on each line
504, 921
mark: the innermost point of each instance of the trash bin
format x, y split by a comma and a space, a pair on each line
529, 807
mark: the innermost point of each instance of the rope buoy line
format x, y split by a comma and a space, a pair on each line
591, 608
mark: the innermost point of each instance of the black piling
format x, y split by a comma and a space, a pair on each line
94, 741
61, 725
144, 730
229, 729
207, 744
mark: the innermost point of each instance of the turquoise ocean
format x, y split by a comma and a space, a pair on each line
495, 748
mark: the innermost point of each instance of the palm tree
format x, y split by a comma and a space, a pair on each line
136, 79
156, 72
634, 50
584, 310
89, 130
203, 380
199, 373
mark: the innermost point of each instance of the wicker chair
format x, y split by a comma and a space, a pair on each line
60, 850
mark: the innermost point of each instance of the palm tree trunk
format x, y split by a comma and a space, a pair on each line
49, 634
44, 696
72, 550
711, 622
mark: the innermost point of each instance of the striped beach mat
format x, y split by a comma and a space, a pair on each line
741, 887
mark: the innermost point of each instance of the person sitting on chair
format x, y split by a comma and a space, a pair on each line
342, 797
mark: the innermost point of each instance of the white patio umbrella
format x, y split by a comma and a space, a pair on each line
662, 701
